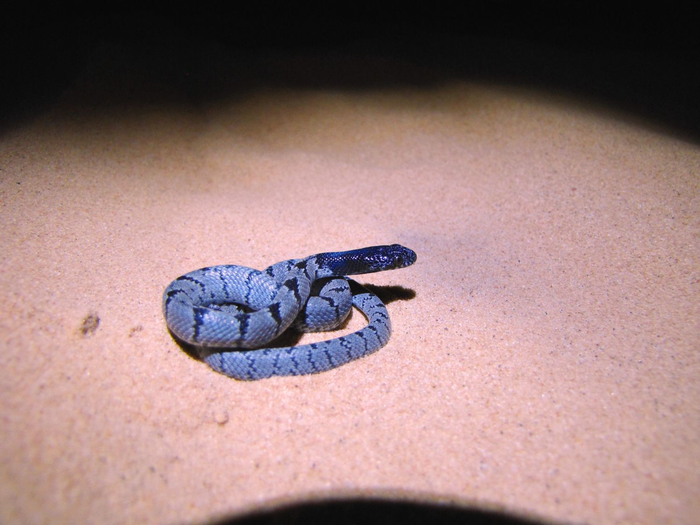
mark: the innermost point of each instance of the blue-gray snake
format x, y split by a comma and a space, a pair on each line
229, 312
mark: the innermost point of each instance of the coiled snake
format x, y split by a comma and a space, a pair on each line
223, 308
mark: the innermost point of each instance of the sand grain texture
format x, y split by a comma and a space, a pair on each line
547, 363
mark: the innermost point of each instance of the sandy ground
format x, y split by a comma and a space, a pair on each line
544, 358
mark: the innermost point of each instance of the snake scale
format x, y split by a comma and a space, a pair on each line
230, 313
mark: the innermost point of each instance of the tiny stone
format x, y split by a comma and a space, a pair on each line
221, 416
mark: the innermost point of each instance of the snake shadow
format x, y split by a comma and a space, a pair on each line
388, 294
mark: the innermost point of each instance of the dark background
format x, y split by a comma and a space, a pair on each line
636, 59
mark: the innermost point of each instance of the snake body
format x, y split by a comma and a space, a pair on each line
229, 312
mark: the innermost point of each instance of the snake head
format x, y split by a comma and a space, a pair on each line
391, 257
380, 258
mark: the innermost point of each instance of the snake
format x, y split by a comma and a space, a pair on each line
231, 314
